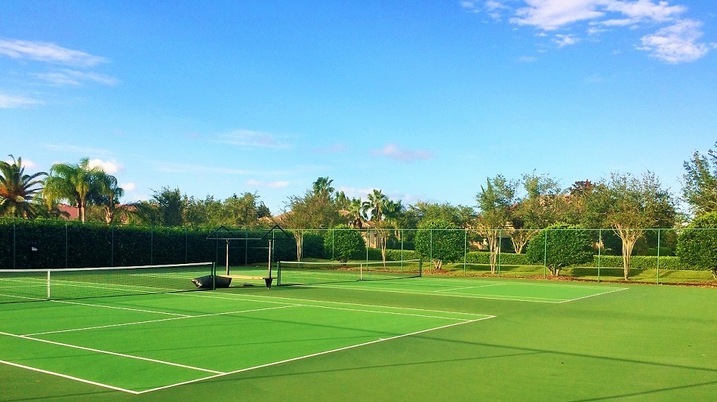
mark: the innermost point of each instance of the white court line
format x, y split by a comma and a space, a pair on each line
441, 292
120, 308
264, 299
434, 293
107, 352
125, 324
293, 359
322, 303
593, 295
69, 377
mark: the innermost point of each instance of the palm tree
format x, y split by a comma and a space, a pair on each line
106, 193
17, 189
72, 183
322, 186
375, 205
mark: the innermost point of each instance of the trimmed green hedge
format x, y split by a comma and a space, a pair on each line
58, 244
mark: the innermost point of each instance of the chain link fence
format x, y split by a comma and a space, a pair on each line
655, 256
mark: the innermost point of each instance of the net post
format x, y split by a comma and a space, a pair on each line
49, 295
278, 273
420, 267
214, 275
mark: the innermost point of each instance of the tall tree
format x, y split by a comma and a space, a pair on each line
17, 189
495, 202
375, 205
170, 206
322, 186
314, 210
631, 205
106, 193
700, 182
536, 210
71, 182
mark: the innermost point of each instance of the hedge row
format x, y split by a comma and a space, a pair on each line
606, 261
58, 244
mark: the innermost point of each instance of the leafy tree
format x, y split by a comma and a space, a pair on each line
630, 205
316, 209
170, 205
441, 241
17, 189
166, 208
241, 211
697, 244
461, 216
559, 246
537, 210
700, 182
344, 243
495, 203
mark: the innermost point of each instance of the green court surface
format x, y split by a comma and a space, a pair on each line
409, 339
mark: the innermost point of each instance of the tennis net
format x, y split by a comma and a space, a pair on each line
308, 273
74, 283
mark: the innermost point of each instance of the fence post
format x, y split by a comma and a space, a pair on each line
465, 249
599, 252
545, 254
658, 256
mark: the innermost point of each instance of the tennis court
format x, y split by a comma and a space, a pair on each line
408, 339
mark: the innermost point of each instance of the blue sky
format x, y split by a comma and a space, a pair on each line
423, 100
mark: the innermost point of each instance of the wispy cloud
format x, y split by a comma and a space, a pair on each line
75, 78
17, 101
268, 184
252, 139
677, 43
393, 151
677, 39
47, 52
62, 66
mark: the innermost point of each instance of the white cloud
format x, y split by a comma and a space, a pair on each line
16, 101
269, 184
676, 39
565, 40
645, 10
550, 15
75, 78
110, 167
393, 151
676, 43
26, 163
128, 186
47, 52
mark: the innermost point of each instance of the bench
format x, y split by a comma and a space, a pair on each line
268, 280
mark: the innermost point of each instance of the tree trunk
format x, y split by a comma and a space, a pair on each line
629, 237
299, 242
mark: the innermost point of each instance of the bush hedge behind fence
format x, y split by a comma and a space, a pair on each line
59, 244
56, 244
